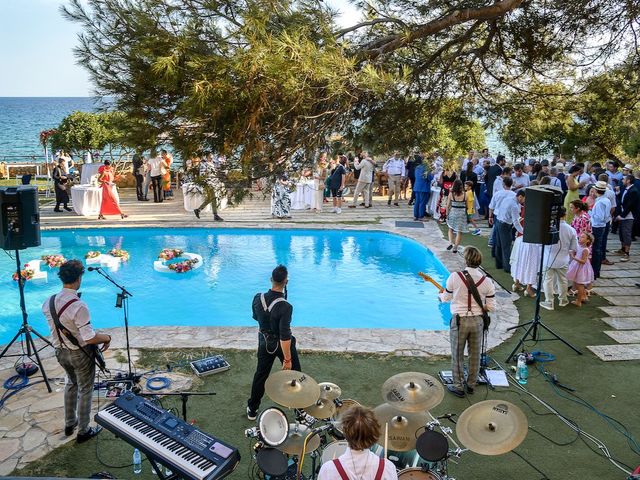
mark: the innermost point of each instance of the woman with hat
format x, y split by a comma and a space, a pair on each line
600, 216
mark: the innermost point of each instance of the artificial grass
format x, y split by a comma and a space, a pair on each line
550, 445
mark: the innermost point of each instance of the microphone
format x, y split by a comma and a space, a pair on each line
91, 269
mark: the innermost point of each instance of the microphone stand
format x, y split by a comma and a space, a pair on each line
122, 301
184, 397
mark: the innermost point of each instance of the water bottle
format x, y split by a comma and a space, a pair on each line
522, 373
137, 461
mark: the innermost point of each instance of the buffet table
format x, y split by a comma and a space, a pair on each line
86, 199
301, 197
192, 198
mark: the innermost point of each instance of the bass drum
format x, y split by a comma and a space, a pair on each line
333, 450
341, 407
417, 474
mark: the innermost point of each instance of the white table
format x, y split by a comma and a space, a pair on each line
87, 199
192, 198
89, 170
301, 197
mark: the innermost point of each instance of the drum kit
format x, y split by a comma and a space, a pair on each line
413, 439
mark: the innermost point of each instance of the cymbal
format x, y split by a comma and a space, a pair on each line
403, 426
322, 409
492, 427
292, 389
329, 390
412, 391
295, 441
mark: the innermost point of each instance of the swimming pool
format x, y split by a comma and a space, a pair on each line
337, 278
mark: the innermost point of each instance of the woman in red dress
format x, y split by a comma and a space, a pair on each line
109, 205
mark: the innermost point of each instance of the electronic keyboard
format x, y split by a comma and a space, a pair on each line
162, 437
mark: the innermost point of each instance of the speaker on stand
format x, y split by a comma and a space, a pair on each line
541, 226
20, 229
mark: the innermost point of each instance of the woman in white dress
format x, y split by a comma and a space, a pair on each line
319, 176
525, 260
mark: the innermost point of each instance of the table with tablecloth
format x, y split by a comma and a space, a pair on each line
301, 197
86, 199
192, 198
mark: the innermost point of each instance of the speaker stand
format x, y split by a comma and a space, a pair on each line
536, 323
26, 330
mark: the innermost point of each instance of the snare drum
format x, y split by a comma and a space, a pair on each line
432, 446
273, 426
417, 474
341, 407
333, 450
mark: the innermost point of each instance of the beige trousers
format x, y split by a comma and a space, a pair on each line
365, 189
394, 186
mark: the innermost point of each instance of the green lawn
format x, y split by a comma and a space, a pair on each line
550, 445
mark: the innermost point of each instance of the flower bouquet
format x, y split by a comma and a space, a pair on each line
53, 261
123, 255
92, 254
170, 253
26, 274
182, 267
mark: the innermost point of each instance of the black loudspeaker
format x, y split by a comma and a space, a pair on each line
19, 218
541, 214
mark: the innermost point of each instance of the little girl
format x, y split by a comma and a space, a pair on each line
580, 271
470, 199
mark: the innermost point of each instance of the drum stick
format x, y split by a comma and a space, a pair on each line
386, 438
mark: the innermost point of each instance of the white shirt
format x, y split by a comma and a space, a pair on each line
498, 185
457, 293
585, 177
506, 208
601, 212
394, 166
521, 181
557, 256
479, 171
358, 465
155, 166
75, 318
611, 195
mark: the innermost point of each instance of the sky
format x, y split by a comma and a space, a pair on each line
36, 49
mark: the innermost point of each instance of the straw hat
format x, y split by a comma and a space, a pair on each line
601, 186
628, 166
560, 166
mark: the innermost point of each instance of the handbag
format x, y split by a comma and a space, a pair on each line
471, 286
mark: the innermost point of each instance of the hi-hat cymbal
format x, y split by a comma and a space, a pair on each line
329, 390
402, 426
492, 427
322, 409
292, 389
294, 443
412, 391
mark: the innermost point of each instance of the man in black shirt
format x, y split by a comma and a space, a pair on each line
273, 314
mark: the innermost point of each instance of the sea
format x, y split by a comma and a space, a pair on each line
23, 118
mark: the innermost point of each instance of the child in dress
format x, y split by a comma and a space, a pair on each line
580, 271
470, 199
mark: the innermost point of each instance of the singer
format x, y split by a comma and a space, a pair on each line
273, 313
73, 338
361, 430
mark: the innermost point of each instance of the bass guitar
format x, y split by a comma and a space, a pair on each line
427, 278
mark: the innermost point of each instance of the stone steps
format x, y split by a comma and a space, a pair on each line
623, 323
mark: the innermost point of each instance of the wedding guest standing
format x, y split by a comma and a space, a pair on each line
422, 188
138, 173
456, 215
319, 176
395, 169
365, 166
504, 212
280, 199
155, 169
581, 220
630, 209
60, 185
557, 260
167, 160
600, 216
109, 204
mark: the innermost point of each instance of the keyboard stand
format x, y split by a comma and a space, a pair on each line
155, 463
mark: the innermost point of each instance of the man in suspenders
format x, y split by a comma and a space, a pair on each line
273, 314
466, 318
361, 430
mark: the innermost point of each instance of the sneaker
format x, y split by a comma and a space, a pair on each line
334, 210
67, 209
619, 252
217, 218
251, 415
625, 258
68, 431
89, 434
547, 305
455, 391
476, 232
362, 204
608, 262
396, 204
338, 210
563, 303
367, 206
470, 390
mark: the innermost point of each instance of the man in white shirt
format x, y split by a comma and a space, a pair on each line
611, 196
364, 180
468, 159
600, 217
583, 179
155, 169
504, 213
395, 170
361, 431
486, 156
520, 179
467, 325
77, 360
498, 184
556, 263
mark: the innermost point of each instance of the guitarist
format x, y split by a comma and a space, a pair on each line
75, 342
471, 294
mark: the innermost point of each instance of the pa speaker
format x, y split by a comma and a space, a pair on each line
541, 214
19, 218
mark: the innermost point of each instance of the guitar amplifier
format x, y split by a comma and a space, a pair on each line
210, 365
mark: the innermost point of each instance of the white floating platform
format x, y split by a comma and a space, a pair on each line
162, 266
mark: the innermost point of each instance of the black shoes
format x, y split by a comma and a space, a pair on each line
470, 390
218, 218
396, 204
389, 202
455, 391
89, 434
67, 208
57, 210
251, 415
197, 212
68, 431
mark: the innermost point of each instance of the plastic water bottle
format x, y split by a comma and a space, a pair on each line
522, 373
137, 462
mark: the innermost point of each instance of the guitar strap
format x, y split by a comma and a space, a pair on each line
60, 327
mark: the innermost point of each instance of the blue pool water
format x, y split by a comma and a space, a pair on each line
337, 278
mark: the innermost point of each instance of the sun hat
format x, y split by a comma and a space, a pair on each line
628, 166
601, 186
560, 166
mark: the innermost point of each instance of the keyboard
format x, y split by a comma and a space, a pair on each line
165, 438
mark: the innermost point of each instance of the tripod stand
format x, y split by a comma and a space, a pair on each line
536, 322
122, 301
26, 330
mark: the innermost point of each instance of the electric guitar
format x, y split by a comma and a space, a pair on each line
427, 278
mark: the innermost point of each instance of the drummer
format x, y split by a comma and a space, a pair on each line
361, 431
